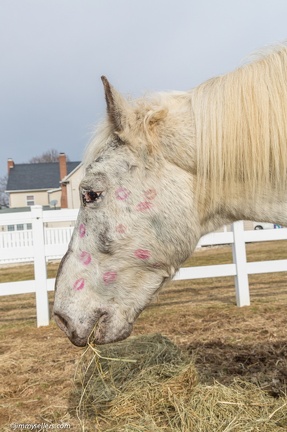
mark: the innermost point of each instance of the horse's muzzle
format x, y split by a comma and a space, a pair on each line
66, 325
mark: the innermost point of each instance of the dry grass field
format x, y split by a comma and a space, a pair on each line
237, 357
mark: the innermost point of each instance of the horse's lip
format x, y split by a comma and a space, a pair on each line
78, 341
93, 336
78, 332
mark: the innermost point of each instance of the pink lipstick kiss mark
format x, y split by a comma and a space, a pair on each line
122, 194
85, 258
121, 229
79, 284
143, 206
82, 230
150, 194
142, 254
110, 277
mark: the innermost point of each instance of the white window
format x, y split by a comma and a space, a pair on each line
19, 227
30, 200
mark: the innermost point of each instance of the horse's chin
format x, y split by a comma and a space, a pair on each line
105, 335
110, 330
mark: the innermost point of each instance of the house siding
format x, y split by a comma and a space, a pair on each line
19, 199
73, 188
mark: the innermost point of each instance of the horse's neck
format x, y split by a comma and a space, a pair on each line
266, 208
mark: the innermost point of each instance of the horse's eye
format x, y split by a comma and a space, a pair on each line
90, 196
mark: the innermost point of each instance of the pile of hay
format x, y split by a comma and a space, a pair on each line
159, 391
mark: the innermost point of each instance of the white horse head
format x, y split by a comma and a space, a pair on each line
160, 173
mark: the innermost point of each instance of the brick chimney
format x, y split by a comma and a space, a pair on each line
10, 164
63, 173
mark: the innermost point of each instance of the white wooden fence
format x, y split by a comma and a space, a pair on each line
42, 243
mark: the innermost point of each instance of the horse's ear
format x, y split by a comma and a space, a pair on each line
117, 106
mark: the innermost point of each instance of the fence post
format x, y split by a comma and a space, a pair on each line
40, 270
239, 258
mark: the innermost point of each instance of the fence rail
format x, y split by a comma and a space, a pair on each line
43, 243
17, 246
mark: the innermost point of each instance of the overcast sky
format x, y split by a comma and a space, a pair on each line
53, 52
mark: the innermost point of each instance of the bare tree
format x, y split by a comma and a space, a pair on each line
4, 198
48, 156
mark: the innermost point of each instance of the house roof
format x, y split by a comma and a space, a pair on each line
35, 176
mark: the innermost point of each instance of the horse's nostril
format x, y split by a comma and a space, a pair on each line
67, 326
62, 323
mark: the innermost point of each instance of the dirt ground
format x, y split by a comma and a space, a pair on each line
225, 342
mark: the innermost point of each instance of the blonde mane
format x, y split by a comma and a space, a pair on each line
241, 128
